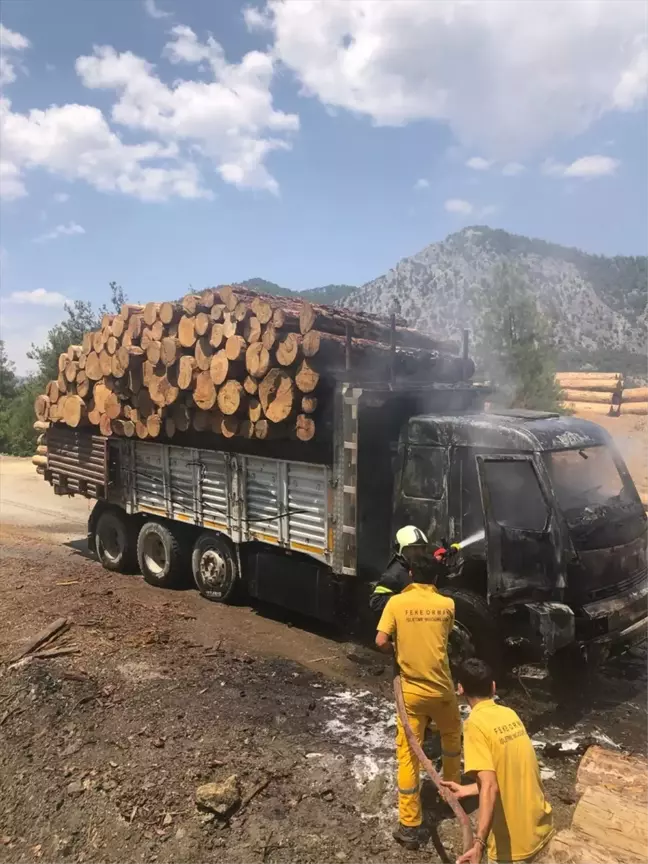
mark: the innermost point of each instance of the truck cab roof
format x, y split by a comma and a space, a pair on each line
526, 431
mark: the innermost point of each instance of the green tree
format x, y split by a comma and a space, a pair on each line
516, 346
17, 436
8, 377
80, 318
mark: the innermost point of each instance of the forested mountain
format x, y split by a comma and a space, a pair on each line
325, 294
596, 305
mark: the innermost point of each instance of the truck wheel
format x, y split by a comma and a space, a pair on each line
115, 541
474, 633
160, 555
215, 568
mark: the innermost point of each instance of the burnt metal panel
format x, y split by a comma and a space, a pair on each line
510, 431
77, 462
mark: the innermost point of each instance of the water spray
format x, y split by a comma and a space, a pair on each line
445, 550
469, 541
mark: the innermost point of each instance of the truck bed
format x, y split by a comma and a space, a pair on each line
274, 501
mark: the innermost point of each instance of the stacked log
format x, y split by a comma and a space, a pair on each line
610, 822
590, 392
601, 393
230, 362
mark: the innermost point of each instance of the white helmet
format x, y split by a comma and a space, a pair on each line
410, 535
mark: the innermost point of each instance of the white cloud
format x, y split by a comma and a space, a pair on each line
586, 166
255, 19
592, 166
633, 83
75, 142
11, 184
466, 208
9, 41
154, 11
68, 230
61, 197
458, 205
12, 40
478, 163
230, 120
506, 77
422, 183
38, 297
512, 169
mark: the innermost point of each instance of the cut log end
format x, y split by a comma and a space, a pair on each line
231, 397
304, 427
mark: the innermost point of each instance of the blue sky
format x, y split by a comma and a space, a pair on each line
178, 145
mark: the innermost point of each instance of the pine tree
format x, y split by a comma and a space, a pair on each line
515, 345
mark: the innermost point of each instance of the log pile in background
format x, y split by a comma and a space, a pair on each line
230, 362
593, 392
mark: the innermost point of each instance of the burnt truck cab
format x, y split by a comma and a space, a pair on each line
560, 559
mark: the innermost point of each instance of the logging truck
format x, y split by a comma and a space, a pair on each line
562, 564
274, 445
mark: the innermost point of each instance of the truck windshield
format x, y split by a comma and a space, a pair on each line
592, 495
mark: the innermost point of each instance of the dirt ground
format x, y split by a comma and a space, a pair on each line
101, 751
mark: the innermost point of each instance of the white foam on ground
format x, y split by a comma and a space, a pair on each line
362, 720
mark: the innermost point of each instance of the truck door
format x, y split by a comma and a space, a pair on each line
422, 498
524, 561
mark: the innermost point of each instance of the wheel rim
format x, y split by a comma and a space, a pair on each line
109, 542
154, 554
213, 571
460, 644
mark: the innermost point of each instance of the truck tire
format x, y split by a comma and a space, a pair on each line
475, 631
160, 555
215, 568
115, 540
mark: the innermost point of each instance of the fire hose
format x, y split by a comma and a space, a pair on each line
446, 794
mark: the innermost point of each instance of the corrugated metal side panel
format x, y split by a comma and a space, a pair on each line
307, 505
183, 489
213, 470
262, 497
149, 476
77, 459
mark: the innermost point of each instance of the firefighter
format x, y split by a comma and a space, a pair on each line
515, 820
416, 625
397, 572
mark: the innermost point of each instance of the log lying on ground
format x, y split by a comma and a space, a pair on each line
605, 385
630, 394
586, 396
563, 377
587, 407
609, 824
634, 408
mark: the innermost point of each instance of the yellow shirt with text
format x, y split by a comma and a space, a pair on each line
495, 740
420, 621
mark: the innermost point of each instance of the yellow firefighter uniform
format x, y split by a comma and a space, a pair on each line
495, 740
420, 620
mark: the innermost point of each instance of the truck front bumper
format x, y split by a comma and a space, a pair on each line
622, 622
